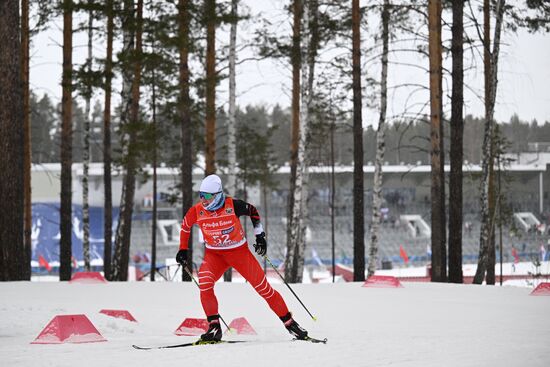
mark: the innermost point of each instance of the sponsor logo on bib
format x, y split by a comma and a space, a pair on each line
228, 230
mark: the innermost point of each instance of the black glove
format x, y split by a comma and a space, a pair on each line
181, 257
261, 244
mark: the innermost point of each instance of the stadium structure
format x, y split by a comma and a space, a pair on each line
405, 213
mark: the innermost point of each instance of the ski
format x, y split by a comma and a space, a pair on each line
200, 342
190, 344
312, 340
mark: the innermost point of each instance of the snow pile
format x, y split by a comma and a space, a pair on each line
421, 324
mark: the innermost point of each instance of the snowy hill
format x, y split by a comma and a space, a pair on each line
422, 324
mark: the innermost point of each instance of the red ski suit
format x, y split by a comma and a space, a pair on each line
226, 246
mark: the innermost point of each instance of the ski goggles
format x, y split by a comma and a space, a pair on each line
207, 195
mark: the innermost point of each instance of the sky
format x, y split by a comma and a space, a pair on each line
524, 75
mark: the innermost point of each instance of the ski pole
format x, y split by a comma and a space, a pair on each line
198, 286
295, 295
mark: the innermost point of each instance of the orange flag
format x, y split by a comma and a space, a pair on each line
515, 255
403, 254
42, 262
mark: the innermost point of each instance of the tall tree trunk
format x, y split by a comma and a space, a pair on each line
185, 117
491, 262
128, 46
265, 211
107, 182
486, 262
155, 142
231, 140
332, 199
231, 122
245, 198
11, 150
358, 179
442, 206
124, 229
210, 148
154, 219
310, 43
86, 154
439, 268
380, 143
490, 276
27, 159
296, 61
457, 133
487, 152
487, 149
65, 251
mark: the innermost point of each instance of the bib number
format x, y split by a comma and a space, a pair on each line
221, 240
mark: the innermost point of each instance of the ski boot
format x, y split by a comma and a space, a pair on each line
214, 333
293, 327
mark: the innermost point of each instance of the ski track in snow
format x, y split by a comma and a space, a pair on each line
422, 324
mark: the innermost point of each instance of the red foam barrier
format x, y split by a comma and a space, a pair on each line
543, 289
69, 329
382, 281
119, 314
192, 327
242, 326
90, 277
344, 271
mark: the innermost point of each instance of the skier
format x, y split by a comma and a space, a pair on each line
217, 216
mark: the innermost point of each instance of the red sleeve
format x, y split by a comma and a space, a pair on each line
188, 221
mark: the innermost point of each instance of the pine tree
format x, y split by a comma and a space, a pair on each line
231, 141
124, 229
358, 179
155, 155
43, 118
65, 253
25, 60
184, 109
310, 44
107, 181
210, 91
439, 256
12, 254
456, 154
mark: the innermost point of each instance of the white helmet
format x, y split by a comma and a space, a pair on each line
211, 184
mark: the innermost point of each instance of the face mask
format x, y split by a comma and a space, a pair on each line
217, 202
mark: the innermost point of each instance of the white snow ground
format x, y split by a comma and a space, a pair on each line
422, 324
